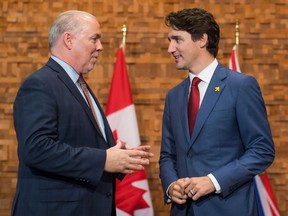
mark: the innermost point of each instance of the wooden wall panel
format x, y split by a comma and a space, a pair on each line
24, 27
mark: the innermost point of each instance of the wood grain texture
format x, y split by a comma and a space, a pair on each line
24, 27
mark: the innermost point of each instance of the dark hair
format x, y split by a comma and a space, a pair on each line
196, 22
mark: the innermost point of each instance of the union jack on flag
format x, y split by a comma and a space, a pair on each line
267, 205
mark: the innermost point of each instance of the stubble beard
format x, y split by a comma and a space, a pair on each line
182, 67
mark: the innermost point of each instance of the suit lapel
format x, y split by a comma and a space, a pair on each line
184, 110
214, 90
63, 76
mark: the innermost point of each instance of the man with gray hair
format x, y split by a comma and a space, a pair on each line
68, 160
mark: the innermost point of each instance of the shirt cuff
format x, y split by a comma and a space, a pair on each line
215, 183
167, 191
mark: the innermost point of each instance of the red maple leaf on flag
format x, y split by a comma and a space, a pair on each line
127, 193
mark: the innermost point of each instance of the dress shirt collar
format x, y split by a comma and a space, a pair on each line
206, 74
68, 69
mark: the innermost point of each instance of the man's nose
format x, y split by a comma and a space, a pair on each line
99, 46
171, 47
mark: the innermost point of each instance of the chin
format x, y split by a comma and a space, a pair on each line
179, 67
87, 70
91, 66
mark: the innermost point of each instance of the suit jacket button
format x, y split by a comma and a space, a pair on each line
108, 195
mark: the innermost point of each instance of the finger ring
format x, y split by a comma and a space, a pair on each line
191, 191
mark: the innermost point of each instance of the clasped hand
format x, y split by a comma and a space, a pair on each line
126, 160
194, 188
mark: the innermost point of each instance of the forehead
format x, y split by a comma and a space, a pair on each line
92, 25
177, 33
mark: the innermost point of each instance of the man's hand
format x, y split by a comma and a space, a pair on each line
197, 187
124, 160
177, 191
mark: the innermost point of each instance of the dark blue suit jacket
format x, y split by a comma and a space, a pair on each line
231, 139
61, 149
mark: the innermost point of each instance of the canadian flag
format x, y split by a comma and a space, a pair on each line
132, 193
266, 201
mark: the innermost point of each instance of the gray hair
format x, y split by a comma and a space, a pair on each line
66, 22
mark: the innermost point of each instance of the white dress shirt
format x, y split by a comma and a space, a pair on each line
205, 76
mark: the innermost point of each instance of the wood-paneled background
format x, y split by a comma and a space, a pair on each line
24, 26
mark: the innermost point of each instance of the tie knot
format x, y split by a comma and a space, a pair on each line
196, 81
81, 80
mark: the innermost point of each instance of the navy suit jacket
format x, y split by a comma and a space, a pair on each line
61, 149
231, 139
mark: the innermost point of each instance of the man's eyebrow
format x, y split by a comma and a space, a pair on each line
96, 35
174, 37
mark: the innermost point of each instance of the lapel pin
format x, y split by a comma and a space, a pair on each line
217, 88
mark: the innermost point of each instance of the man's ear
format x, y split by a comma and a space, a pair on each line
67, 39
203, 40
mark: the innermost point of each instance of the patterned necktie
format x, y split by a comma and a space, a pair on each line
193, 106
88, 98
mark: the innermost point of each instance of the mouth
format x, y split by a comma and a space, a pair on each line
94, 58
176, 57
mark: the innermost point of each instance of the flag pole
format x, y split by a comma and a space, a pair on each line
237, 39
124, 31
237, 32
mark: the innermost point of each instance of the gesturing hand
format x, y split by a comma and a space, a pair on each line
122, 160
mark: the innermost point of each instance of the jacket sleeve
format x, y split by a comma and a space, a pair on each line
167, 162
256, 137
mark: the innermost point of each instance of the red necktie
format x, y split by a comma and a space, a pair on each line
88, 98
193, 106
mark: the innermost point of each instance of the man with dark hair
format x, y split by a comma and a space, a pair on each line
215, 134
